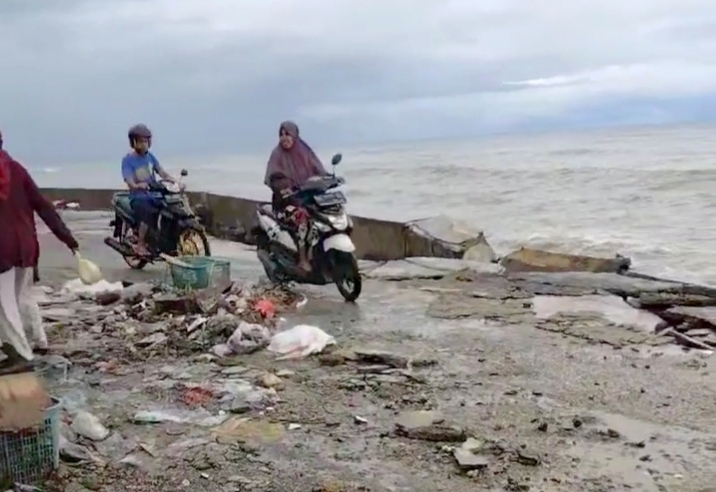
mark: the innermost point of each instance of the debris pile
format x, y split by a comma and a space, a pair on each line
182, 344
144, 320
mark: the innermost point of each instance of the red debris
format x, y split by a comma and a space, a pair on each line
195, 397
265, 308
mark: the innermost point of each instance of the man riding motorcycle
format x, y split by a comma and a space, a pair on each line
139, 169
290, 165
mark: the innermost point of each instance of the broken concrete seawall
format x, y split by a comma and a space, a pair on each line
229, 217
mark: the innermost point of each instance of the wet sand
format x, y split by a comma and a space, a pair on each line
553, 412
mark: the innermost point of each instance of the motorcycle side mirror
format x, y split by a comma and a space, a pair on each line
336, 159
184, 173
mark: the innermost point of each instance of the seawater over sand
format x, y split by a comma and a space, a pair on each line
647, 193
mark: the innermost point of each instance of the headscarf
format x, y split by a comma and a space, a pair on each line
296, 165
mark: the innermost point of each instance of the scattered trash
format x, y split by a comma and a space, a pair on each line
222, 350
197, 323
300, 341
87, 425
78, 287
239, 429
269, 380
196, 396
199, 417
248, 338
468, 457
266, 308
65, 205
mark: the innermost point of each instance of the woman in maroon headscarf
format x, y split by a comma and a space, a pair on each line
291, 164
20, 199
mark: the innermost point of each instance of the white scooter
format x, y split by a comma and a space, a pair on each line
331, 249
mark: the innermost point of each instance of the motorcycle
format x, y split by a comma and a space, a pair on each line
331, 249
177, 231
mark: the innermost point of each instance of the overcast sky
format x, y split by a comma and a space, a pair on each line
219, 75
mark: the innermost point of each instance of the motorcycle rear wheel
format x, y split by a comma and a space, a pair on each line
346, 275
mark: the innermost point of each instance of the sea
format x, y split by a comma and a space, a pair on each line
648, 193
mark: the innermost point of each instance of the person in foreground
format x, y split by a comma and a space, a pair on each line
139, 170
20, 199
291, 164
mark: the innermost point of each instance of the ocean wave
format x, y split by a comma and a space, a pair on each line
575, 152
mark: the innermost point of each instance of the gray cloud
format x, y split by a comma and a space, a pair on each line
218, 75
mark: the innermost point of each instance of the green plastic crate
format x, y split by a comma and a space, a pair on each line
202, 272
28, 456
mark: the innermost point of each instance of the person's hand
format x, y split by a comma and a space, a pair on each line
286, 192
142, 186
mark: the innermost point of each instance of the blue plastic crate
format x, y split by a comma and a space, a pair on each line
28, 456
201, 272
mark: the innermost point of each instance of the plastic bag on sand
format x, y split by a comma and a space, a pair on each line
248, 338
77, 286
222, 350
300, 341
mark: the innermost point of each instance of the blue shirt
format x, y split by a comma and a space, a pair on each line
140, 169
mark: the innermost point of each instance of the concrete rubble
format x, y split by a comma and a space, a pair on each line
443, 237
579, 295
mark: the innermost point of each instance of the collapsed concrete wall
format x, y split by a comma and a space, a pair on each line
535, 260
380, 240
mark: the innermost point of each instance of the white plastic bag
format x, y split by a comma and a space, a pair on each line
222, 350
300, 341
88, 271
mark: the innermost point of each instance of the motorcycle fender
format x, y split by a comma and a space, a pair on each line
339, 242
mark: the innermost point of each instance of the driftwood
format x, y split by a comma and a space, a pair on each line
686, 340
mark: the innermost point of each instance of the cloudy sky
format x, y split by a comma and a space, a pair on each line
219, 75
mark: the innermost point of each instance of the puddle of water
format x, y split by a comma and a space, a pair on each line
612, 308
381, 308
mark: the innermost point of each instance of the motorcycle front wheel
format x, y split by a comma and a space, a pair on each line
346, 275
193, 242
